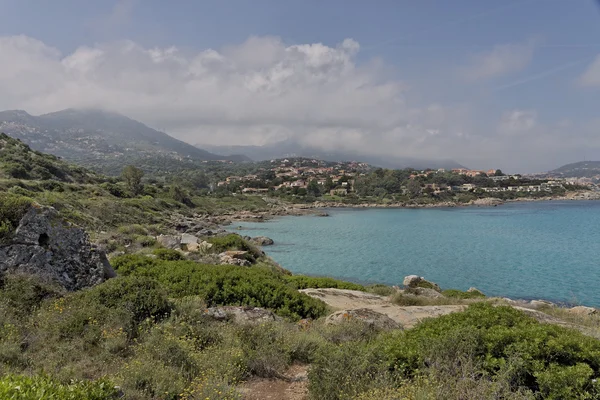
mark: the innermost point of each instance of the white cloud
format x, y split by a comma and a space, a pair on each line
256, 91
518, 122
501, 60
265, 90
591, 76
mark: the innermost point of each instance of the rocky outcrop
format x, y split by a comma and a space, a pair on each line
424, 292
582, 310
416, 281
46, 246
371, 318
235, 257
262, 241
169, 241
242, 315
486, 202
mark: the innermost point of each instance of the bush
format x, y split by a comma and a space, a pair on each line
502, 342
304, 282
381, 290
168, 254
24, 293
233, 242
458, 294
44, 388
224, 285
12, 209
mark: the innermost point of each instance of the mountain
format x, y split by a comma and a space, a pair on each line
96, 137
582, 169
291, 148
19, 161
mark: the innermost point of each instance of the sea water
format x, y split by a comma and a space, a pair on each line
543, 250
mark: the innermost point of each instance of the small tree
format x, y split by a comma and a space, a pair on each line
313, 188
414, 188
133, 179
498, 173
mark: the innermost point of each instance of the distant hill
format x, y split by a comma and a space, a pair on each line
291, 148
95, 137
582, 169
18, 160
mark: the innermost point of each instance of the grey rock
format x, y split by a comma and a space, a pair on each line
242, 314
169, 241
262, 241
414, 281
186, 239
582, 310
366, 315
541, 303
235, 257
46, 246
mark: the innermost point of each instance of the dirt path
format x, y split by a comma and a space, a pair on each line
277, 389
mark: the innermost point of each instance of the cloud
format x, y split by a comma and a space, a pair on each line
518, 122
501, 60
252, 92
263, 90
591, 76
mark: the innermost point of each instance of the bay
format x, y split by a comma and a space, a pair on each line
543, 250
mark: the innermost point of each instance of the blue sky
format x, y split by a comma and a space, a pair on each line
512, 84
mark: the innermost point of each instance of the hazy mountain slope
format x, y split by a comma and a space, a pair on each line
291, 148
83, 135
18, 160
582, 169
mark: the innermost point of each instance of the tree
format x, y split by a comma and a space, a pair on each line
133, 179
414, 188
498, 173
313, 188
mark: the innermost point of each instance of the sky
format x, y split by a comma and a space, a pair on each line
512, 84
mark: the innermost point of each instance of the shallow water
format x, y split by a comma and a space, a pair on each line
546, 250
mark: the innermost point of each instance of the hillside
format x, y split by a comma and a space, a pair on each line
18, 160
291, 148
98, 138
582, 169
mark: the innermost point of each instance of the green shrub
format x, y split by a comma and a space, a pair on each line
224, 285
233, 242
44, 388
502, 342
381, 290
168, 254
305, 282
25, 293
12, 209
458, 294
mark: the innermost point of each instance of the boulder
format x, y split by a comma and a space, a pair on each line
235, 257
582, 310
47, 246
186, 239
414, 281
169, 241
242, 314
262, 241
541, 303
372, 318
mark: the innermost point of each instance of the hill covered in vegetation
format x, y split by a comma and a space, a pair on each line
582, 169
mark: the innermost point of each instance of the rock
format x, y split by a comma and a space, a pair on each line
46, 246
262, 241
582, 310
242, 314
186, 239
474, 290
488, 201
366, 315
235, 257
169, 241
424, 292
541, 303
202, 247
414, 281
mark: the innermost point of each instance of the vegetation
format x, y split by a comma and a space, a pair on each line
12, 209
41, 387
304, 282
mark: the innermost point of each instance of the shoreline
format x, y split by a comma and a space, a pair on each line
319, 208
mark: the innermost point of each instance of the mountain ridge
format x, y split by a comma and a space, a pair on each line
580, 169
93, 134
291, 148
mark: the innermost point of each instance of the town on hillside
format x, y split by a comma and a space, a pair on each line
310, 177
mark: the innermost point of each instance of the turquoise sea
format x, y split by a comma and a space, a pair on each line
539, 250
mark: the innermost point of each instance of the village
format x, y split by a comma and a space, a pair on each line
302, 176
